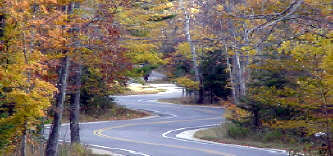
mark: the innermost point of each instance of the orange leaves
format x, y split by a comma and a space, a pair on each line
235, 113
49, 1
56, 37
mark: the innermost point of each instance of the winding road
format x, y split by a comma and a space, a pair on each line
157, 135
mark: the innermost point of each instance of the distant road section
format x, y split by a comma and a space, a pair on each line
154, 76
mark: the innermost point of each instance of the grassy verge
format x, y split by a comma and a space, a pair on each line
184, 101
64, 149
139, 89
115, 113
231, 134
159, 82
133, 92
78, 150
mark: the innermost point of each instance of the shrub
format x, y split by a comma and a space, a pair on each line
98, 105
236, 131
272, 136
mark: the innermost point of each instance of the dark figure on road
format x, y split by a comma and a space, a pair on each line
145, 77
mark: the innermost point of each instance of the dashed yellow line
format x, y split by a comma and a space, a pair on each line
99, 132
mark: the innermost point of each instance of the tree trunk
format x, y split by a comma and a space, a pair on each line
231, 75
199, 98
240, 77
75, 105
75, 109
325, 109
211, 95
23, 150
52, 143
192, 47
236, 78
256, 118
201, 94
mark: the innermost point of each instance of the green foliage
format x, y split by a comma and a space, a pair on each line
146, 69
180, 67
138, 33
214, 75
74, 149
272, 135
236, 131
95, 93
162, 18
289, 92
268, 78
6, 130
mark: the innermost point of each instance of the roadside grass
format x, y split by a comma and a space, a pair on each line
187, 100
115, 113
139, 89
133, 92
268, 139
64, 149
76, 150
159, 82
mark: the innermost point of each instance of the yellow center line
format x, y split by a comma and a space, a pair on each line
99, 132
205, 111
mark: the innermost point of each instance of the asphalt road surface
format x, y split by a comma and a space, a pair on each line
156, 135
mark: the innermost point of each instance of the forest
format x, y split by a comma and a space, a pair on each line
269, 63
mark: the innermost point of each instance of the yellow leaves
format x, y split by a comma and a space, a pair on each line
241, 7
61, 19
43, 8
312, 127
249, 50
162, 6
231, 52
187, 83
328, 64
325, 6
309, 73
141, 52
184, 50
169, 4
194, 10
284, 47
235, 113
219, 7
309, 46
33, 100
29, 94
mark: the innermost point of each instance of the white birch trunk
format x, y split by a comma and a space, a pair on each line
189, 40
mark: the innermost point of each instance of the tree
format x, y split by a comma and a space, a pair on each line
23, 86
214, 75
187, 28
140, 24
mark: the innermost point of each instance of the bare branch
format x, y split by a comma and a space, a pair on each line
285, 14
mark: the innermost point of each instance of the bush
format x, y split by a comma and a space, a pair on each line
236, 131
98, 105
272, 136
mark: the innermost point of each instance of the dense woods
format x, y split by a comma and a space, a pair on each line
269, 62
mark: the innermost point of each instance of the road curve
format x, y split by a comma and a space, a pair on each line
156, 135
